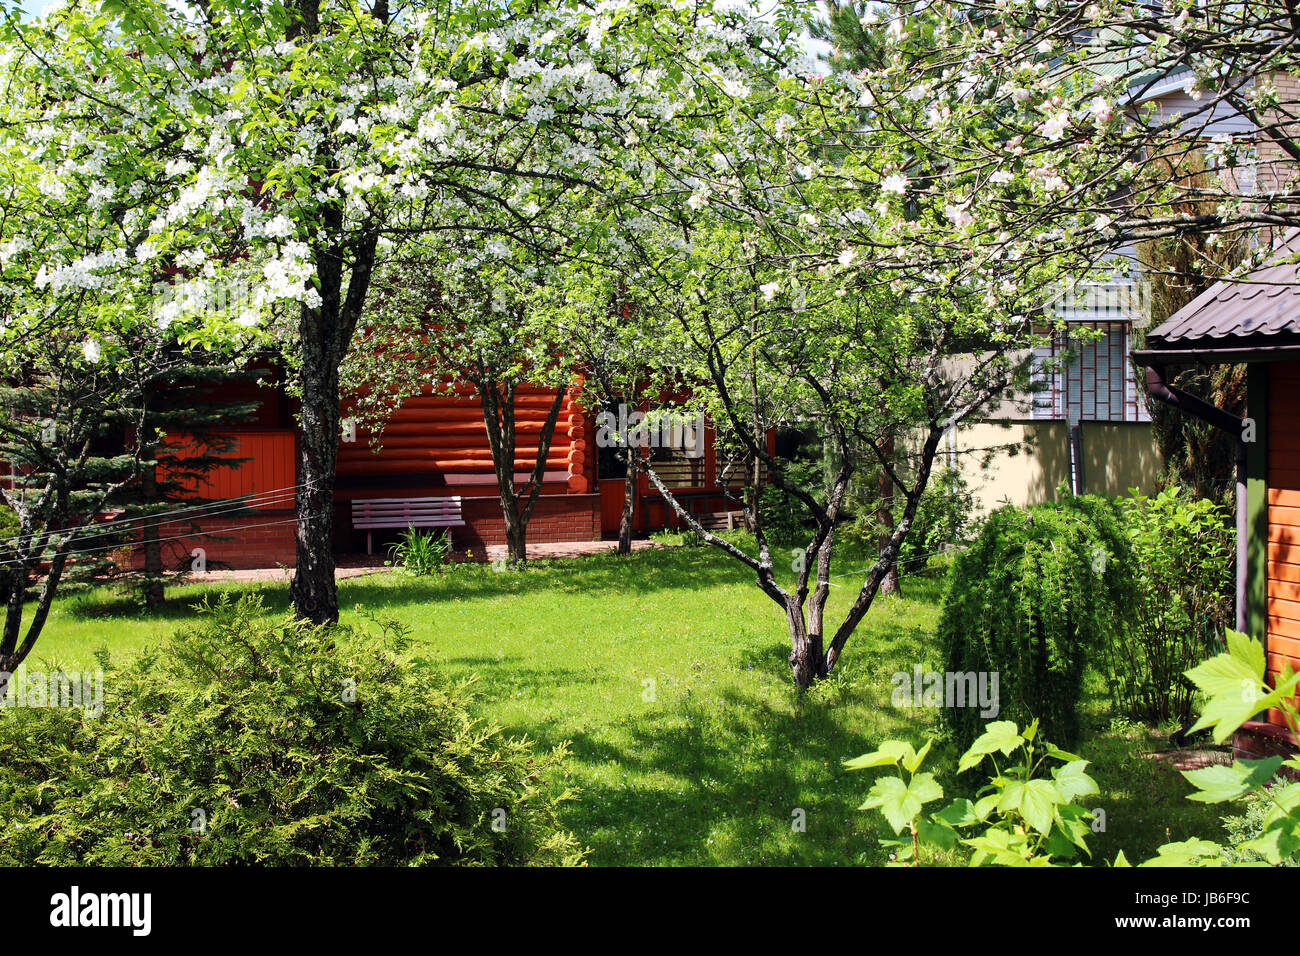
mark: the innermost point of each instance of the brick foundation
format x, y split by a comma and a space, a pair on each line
265, 539
1256, 740
262, 539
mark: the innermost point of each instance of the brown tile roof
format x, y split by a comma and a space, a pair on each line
1261, 308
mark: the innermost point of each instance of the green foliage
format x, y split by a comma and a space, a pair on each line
1235, 690
9, 524
678, 538
1183, 549
421, 552
945, 518
1177, 269
1247, 827
254, 741
785, 517
1021, 817
1032, 599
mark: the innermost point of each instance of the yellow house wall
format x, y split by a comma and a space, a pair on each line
1025, 462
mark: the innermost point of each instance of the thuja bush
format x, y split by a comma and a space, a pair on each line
248, 740
1035, 596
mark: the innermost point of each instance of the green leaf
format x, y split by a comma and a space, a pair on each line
900, 802
1243, 663
937, 833
1001, 735
1073, 782
1193, 852
1218, 784
1033, 800
986, 805
1279, 842
913, 764
889, 754
1075, 823
1232, 707
1059, 754
959, 813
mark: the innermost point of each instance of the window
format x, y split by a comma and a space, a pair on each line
1088, 377
677, 450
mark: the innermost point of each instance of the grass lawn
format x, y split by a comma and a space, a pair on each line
667, 671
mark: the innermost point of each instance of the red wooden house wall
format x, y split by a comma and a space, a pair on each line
433, 445
1283, 519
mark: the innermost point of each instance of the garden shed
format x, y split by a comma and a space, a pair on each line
1255, 321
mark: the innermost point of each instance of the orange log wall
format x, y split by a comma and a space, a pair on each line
434, 445
1283, 518
444, 436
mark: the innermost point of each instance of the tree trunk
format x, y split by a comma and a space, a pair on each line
16, 583
889, 555
807, 659
324, 334
499, 420
889, 584
314, 593
154, 592
629, 503
11, 653
516, 537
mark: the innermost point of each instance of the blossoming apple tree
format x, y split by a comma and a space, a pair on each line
316, 136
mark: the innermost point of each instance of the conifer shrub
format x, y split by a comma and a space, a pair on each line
252, 740
1033, 600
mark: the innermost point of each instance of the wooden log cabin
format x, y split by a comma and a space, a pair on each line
434, 446
1255, 322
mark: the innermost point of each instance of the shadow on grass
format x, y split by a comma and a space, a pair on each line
732, 780
644, 572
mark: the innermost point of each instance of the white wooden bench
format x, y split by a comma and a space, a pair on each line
371, 513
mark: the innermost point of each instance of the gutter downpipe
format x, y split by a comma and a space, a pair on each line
1235, 426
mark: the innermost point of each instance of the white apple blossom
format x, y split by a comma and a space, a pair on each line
958, 214
895, 184
1054, 127
1101, 110
699, 199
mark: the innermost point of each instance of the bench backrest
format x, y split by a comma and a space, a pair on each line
406, 512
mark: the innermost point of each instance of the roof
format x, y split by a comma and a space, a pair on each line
1258, 311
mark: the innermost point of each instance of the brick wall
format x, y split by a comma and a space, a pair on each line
261, 540
266, 539
1277, 171
556, 518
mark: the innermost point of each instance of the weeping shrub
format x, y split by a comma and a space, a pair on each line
253, 741
1032, 600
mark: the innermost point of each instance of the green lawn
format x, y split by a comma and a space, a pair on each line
710, 762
